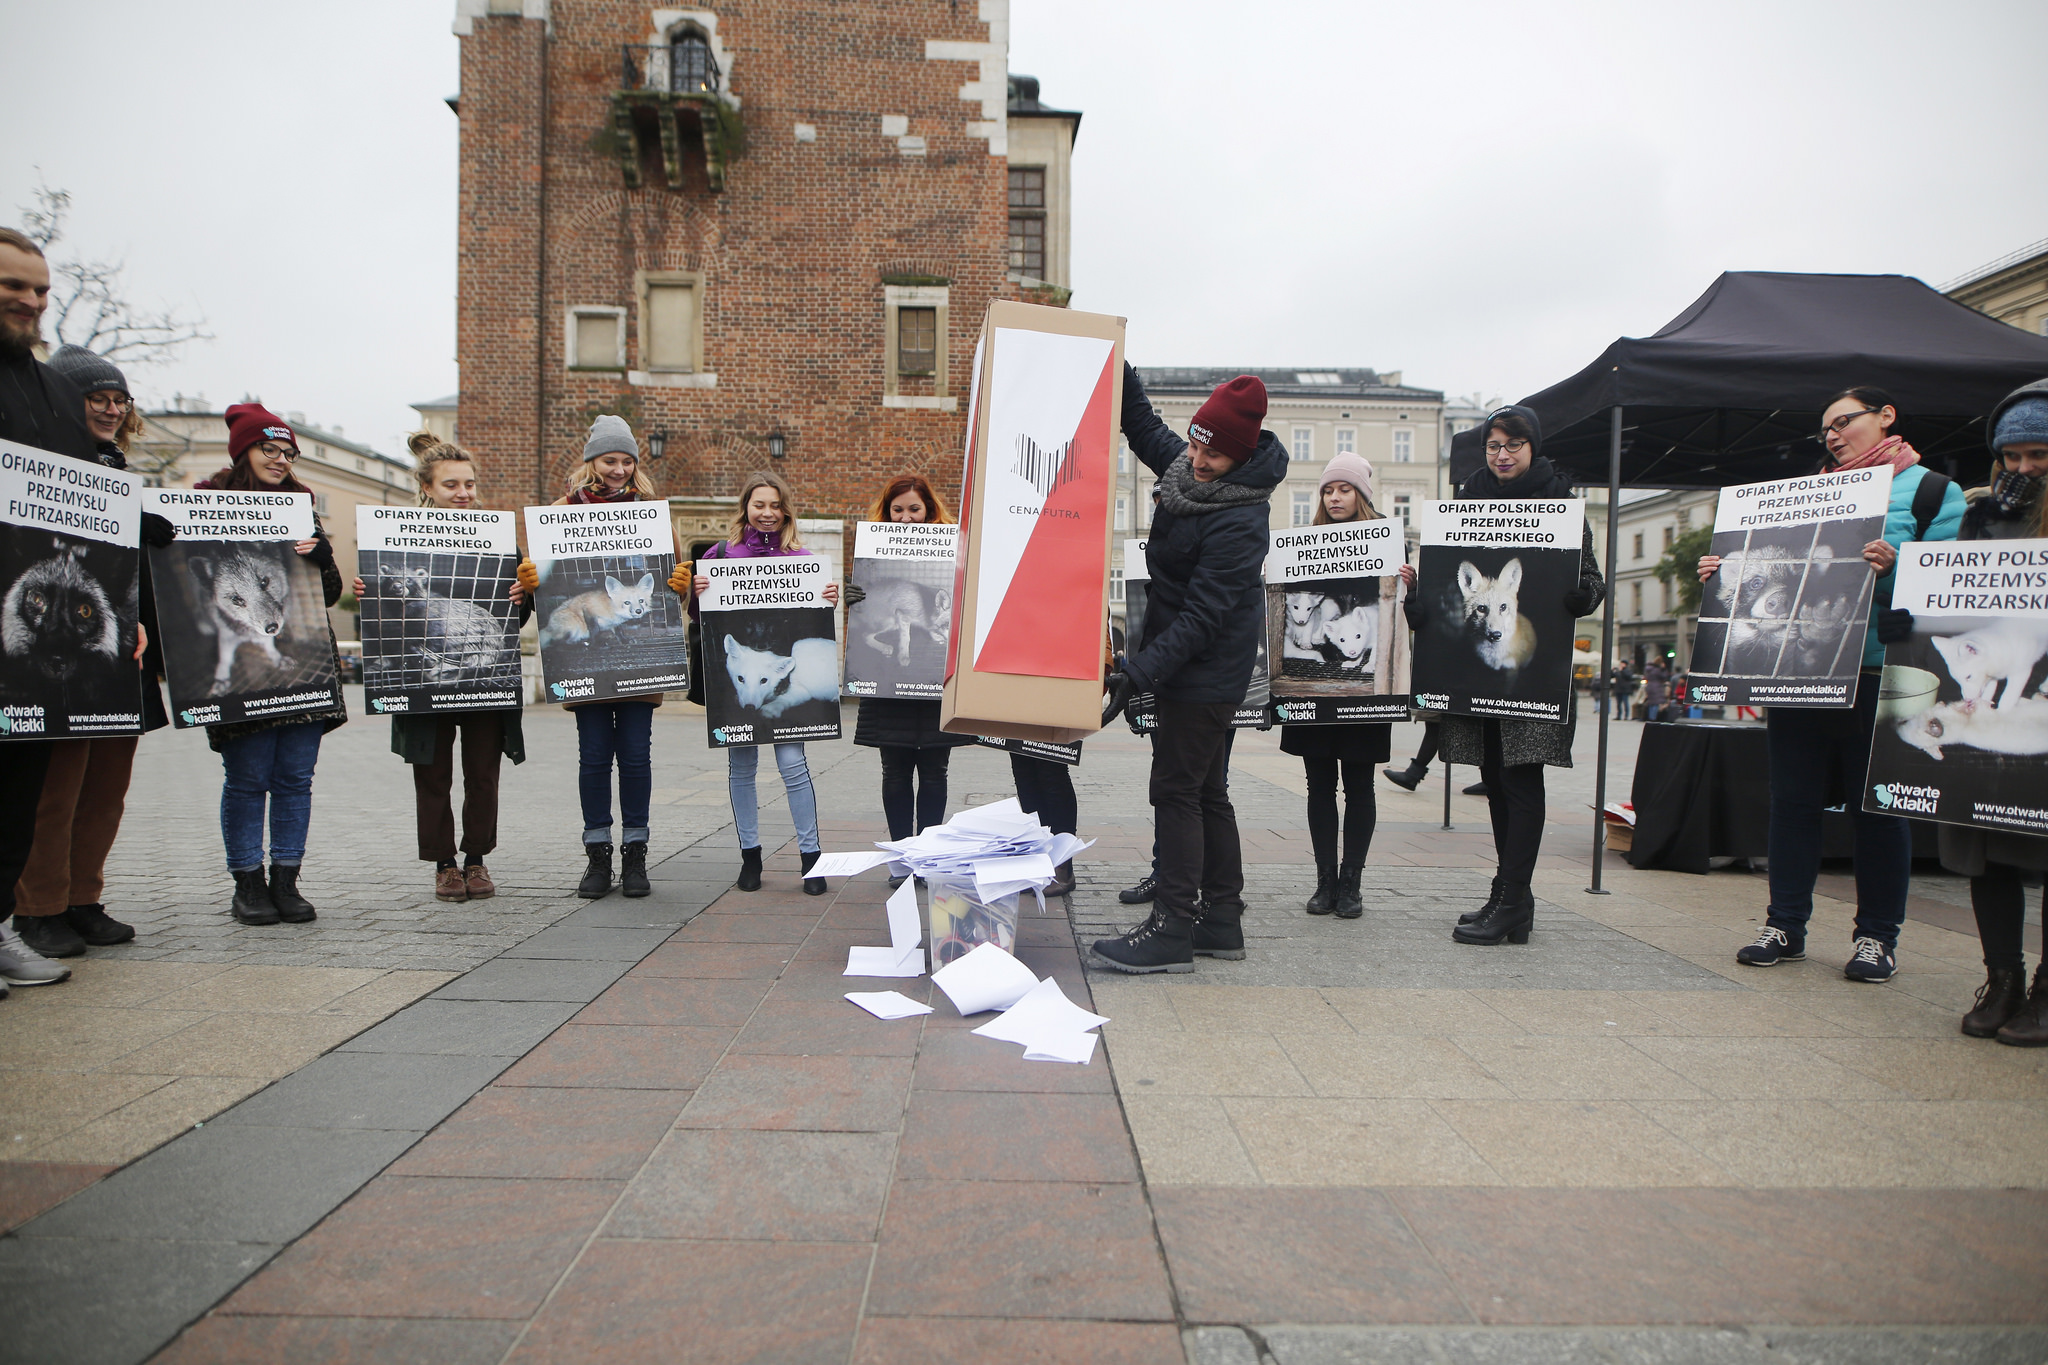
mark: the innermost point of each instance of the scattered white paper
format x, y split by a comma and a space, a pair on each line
1013, 873
888, 1004
986, 979
1076, 1048
1043, 1013
906, 929
884, 962
846, 864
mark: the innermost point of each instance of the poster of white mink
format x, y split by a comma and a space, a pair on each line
440, 629
1962, 725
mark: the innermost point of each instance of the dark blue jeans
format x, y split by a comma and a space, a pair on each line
609, 732
1819, 758
276, 763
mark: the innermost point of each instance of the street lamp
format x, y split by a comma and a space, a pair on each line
778, 445
657, 441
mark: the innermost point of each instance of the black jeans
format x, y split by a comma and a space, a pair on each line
926, 800
1999, 897
1192, 814
1361, 811
1427, 751
1514, 801
1046, 789
1819, 758
23, 765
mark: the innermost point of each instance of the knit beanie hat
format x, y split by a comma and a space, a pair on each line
1229, 421
251, 424
87, 372
2024, 422
610, 435
1348, 468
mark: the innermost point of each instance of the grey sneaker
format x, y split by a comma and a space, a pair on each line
21, 965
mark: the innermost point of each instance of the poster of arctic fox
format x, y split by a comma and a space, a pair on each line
771, 661
440, 629
610, 626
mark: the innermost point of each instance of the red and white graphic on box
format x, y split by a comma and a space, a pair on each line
966, 513
1044, 506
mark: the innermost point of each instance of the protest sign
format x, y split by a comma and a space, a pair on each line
1046, 749
610, 625
1962, 725
242, 614
440, 630
1141, 713
771, 663
1334, 623
1782, 620
896, 632
1492, 575
69, 565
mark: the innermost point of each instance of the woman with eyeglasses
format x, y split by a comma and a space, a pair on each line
1511, 754
271, 761
1818, 757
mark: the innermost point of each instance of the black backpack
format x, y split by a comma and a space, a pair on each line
1927, 500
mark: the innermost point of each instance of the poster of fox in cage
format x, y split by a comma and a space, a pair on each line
1782, 620
771, 660
1334, 624
610, 626
1496, 637
244, 620
69, 565
440, 630
899, 609
1962, 719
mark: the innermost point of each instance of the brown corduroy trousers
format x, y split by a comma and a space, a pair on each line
84, 795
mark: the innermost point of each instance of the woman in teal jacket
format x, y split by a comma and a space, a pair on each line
1818, 757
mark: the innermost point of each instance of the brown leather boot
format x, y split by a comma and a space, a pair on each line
2003, 994
2029, 1028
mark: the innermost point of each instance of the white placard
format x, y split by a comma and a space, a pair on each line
1353, 549
1504, 523
605, 528
1973, 578
454, 529
75, 497
747, 584
1137, 569
919, 540
1842, 496
223, 514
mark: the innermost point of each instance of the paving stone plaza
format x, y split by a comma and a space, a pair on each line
538, 1129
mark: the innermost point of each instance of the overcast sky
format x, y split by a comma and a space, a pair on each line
1481, 195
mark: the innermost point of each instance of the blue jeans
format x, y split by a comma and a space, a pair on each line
276, 763
621, 731
1818, 758
740, 766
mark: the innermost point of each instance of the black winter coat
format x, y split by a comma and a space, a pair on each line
1205, 606
903, 722
41, 408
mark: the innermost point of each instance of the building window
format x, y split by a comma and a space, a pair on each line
1123, 456
1116, 585
1123, 514
596, 339
1404, 446
1666, 595
671, 323
917, 340
690, 68
1303, 446
1347, 440
1635, 597
1027, 221
1304, 507
1667, 537
1639, 545
1403, 508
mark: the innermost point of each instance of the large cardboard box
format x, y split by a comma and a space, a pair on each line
1031, 589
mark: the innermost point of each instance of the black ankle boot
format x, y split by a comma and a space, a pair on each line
1508, 922
633, 869
1492, 904
1409, 778
597, 877
1062, 883
750, 869
813, 886
252, 904
292, 908
2003, 995
1349, 904
1211, 936
1163, 943
1325, 898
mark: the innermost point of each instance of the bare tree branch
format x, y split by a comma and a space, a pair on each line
89, 304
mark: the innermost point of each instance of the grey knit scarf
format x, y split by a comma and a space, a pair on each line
1183, 495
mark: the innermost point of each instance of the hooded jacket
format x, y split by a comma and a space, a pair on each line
1207, 603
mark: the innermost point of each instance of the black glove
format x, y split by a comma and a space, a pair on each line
157, 531
1894, 625
1117, 692
853, 594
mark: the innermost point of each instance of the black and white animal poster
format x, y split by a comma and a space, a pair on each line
1334, 622
896, 633
1962, 719
771, 662
1142, 712
69, 566
610, 626
243, 617
1782, 621
1493, 574
440, 630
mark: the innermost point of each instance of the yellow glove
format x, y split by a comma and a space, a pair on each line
529, 577
681, 581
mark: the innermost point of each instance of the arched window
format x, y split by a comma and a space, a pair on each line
690, 68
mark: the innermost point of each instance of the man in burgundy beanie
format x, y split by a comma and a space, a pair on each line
1194, 651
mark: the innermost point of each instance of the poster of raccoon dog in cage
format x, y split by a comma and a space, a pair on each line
69, 566
1962, 712
440, 629
771, 661
1141, 713
610, 626
1334, 623
896, 631
1492, 575
243, 616
1782, 621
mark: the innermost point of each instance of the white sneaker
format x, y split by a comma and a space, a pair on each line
21, 965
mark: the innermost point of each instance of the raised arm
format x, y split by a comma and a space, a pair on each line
1151, 440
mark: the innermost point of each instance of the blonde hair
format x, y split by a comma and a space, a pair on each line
935, 509
585, 476
763, 478
131, 427
429, 450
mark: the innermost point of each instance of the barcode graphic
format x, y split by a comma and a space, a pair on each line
1044, 469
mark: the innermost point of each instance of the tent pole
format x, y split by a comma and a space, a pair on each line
1604, 682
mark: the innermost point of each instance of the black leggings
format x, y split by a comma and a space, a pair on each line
1045, 787
1427, 751
1999, 897
1360, 810
899, 800
1514, 800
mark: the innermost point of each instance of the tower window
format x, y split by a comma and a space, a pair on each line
1027, 221
917, 340
691, 71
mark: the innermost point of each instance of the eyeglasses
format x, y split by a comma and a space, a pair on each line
1506, 447
279, 452
1841, 424
109, 402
